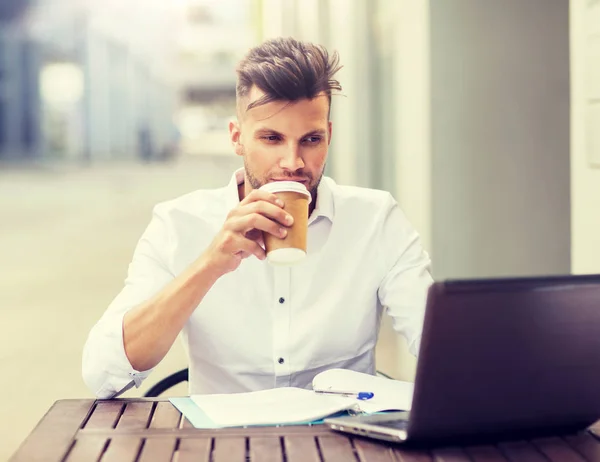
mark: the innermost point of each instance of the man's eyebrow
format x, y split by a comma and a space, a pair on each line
264, 131
270, 131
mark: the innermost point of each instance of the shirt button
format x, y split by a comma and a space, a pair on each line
280, 360
281, 300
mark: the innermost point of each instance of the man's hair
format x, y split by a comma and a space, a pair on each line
286, 69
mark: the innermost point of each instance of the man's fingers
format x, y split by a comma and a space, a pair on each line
264, 203
260, 195
260, 212
270, 211
247, 223
266, 209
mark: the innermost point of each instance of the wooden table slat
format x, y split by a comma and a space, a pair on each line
217, 433
517, 451
158, 450
336, 448
267, 449
196, 450
135, 416
407, 455
165, 416
53, 435
122, 448
586, 445
106, 414
557, 450
87, 449
300, 448
371, 451
229, 449
485, 454
450, 455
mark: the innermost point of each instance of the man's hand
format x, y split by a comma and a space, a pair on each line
241, 234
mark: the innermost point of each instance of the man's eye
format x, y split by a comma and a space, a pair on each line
271, 138
312, 139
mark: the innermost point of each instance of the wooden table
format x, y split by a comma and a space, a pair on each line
154, 430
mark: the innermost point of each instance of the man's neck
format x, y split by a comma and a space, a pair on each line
241, 191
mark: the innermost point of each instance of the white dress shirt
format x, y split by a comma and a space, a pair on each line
262, 326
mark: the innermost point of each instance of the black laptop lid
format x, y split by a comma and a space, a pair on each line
506, 356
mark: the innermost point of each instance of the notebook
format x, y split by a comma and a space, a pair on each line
294, 406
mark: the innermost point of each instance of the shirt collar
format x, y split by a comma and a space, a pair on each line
232, 192
323, 208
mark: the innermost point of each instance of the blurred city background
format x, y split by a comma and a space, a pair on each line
481, 117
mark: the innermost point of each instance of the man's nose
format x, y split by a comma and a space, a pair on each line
291, 159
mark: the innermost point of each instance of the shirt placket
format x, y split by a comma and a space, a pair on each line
281, 326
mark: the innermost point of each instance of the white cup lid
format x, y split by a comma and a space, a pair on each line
285, 186
285, 256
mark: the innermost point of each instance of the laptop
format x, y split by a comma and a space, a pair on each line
500, 359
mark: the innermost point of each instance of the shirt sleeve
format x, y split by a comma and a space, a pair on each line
106, 369
403, 290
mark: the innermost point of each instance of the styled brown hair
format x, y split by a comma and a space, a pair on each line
286, 69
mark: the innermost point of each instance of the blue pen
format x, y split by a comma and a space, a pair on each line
362, 395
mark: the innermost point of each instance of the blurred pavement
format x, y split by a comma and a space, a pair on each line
66, 238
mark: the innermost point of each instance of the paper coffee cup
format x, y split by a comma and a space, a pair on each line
292, 248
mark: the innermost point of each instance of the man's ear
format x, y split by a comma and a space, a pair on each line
234, 135
330, 129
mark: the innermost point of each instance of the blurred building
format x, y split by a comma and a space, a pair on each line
87, 80
213, 38
19, 105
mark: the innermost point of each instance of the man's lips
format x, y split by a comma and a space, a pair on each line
297, 180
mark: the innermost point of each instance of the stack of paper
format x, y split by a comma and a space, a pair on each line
290, 405
271, 407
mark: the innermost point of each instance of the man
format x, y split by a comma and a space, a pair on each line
199, 269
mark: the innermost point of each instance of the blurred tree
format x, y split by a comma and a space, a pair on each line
12, 9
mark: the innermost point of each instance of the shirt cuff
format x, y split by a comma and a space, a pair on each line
413, 348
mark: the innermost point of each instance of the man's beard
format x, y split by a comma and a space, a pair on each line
311, 186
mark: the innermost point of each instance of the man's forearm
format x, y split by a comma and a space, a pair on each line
150, 329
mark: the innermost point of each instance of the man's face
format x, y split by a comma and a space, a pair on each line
283, 140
